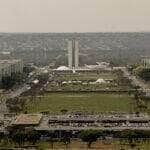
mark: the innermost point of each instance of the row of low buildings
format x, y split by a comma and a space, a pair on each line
87, 68
74, 123
9, 67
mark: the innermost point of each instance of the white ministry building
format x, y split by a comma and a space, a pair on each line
9, 67
73, 54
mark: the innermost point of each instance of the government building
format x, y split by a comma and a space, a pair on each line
9, 67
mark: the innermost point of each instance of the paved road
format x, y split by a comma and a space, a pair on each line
135, 80
17, 92
12, 94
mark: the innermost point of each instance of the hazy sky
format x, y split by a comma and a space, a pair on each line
74, 15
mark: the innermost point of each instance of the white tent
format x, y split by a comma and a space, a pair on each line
101, 81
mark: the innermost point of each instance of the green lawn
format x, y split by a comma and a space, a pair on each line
89, 87
89, 102
117, 82
87, 76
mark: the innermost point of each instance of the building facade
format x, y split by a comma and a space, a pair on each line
73, 54
9, 67
146, 62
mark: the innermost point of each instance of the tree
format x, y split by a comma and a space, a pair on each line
143, 72
15, 104
64, 111
130, 135
89, 136
66, 138
33, 136
51, 139
19, 137
43, 77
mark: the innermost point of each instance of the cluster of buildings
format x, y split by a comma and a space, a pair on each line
100, 122
73, 61
73, 58
9, 67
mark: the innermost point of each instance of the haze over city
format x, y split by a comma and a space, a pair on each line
74, 15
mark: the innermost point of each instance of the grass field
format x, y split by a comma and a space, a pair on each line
117, 82
87, 87
84, 102
88, 76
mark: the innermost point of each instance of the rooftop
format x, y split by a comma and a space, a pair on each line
28, 119
7, 63
61, 68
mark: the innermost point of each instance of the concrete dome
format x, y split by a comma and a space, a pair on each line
100, 81
62, 68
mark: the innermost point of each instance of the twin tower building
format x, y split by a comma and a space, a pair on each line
73, 54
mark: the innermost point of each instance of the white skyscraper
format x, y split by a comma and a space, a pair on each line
73, 54
70, 54
76, 54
